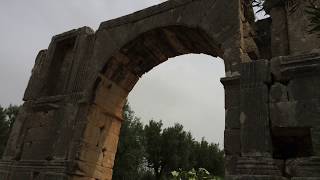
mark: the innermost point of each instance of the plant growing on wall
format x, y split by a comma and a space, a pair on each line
200, 174
313, 12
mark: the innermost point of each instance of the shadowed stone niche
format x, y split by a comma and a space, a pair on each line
68, 128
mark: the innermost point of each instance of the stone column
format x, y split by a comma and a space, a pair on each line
232, 122
256, 148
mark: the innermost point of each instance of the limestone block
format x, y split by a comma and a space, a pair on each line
315, 135
255, 177
303, 167
21, 175
298, 25
233, 118
63, 136
84, 170
230, 164
258, 165
36, 81
55, 177
295, 113
254, 110
255, 134
90, 154
232, 142
251, 48
304, 88
279, 36
278, 93
92, 134
111, 142
255, 73
111, 97
42, 149
282, 114
108, 158
232, 91
275, 68
4, 175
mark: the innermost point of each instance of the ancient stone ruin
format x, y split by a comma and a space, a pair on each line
68, 127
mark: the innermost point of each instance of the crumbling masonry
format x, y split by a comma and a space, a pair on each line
68, 127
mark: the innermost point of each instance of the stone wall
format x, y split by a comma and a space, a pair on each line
68, 127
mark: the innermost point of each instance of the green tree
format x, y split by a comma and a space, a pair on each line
208, 156
11, 113
176, 149
4, 128
153, 137
7, 118
151, 152
130, 153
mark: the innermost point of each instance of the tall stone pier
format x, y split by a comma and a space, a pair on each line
68, 127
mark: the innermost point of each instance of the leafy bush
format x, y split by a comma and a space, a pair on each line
314, 17
201, 174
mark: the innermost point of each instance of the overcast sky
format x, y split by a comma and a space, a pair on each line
184, 89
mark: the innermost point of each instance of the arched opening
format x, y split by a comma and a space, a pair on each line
147, 51
121, 73
186, 90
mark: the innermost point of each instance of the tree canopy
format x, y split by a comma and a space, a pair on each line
7, 118
153, 152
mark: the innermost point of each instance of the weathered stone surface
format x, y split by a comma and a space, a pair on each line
231, 165
303, 167
255, 177
295, 113
255, 134
298, 25
257, 166
233, 118
279, 31
232, 91
304, 88
232, 142
4, 175
55, 177
69, 126
315, 135
278, 93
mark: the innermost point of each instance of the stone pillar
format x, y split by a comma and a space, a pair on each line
256, 148
232, 123
41, 141
254, 115
279, 31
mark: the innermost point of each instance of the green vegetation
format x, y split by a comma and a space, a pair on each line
201, 174
153, 152
314, 17
7, 118
150, 152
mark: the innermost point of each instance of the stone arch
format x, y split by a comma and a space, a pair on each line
123, 70
150, 49
224, 31
126, 48
68, 127
74, 96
